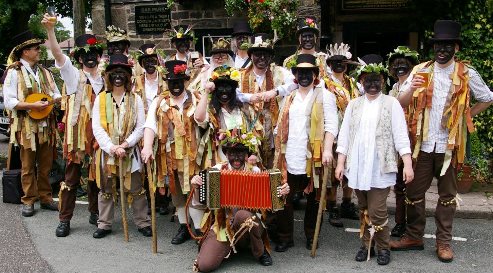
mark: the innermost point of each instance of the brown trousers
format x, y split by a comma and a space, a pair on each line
212, 252
428, 166
69, 196
92, 196
375, 201
400, 196
139, 205
285, 218
36, 167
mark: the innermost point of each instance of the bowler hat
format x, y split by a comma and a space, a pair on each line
446, 30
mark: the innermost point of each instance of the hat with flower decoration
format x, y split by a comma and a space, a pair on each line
306, 61
371, 63
85, 43
403, 52
119, 60
238, 140
309, 23
181, 32
176, 70
146, 50
225, 73
338, 52
115, 34
221, 45
262, 42
22, 41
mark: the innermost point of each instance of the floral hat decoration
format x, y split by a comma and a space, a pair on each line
176, 70
85, 43
371, 63
235, 139
148, 50
226, 73
307, 24
262, 42
403, 52
181, 33
221, 45
115, 34
338, 52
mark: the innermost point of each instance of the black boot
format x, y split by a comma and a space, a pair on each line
334, 219
362, 254
101, 233
265, 259
383, 257
182, 235
63, 229
349, 210
398, 230
93, 219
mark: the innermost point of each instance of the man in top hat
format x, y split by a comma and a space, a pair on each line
345, 89
82, 86
305, 135
242, 35
308, 34
36, 137
170, 118
117, 40
439, 146
118, 119
400, 64
260, 86
373, 131
182, 38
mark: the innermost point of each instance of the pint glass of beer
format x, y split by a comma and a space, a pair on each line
51, 11
425, 73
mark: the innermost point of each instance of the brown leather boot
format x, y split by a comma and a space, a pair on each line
406, 243
444, 252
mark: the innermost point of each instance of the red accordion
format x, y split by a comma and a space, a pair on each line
239, 189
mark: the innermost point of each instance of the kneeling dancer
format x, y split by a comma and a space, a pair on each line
372, 132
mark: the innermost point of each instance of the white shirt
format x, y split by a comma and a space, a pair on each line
239, 62
104, 139
151, 121
438, 136
10, 86
70, 75
299, 128
284, 89
400, 88
364, 171
151, 88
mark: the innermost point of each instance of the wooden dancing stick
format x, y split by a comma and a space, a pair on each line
122, 199
321, 207
152, 192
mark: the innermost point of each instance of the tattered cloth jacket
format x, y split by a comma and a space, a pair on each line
23, 129
456, 114
344, 93
139, 87
316, 135
111, 118
177, 135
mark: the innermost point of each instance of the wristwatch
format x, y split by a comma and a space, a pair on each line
277, 92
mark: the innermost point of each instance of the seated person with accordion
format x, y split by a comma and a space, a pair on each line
236, 220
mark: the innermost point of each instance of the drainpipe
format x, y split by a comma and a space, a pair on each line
107, 13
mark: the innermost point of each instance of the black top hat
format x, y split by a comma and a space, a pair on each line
309, 23
176, 70
446, 30
181, 32
86, 40
305, 61
261, 42
241, 28
148, 50
119, 60
372, 59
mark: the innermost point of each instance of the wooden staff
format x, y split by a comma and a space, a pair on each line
152, 192
321, 207
122, 199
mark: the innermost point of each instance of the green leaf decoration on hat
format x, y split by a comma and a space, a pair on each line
405, 52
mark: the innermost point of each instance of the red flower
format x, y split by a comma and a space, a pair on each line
61, 127
92, 41
309, 21
261, 1
180, 69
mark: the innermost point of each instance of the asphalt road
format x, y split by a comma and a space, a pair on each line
30, 245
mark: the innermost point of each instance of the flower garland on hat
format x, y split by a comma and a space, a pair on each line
225, 72
230, 138
371, 68
404, 51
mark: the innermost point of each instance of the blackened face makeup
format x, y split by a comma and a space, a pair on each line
176, 87
242, 41
225, 92
237, 158
182, 45
444, 51
308, 40
118, 77
400, 67
261, 59
149, 64
119, 47
373, 83
305, 77
90, 59
338, 66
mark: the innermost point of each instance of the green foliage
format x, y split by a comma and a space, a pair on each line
37, 28
478, 160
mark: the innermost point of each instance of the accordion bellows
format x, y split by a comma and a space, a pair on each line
239, 189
